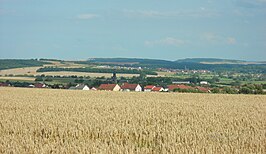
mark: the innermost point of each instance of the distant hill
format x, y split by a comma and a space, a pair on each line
217, 61
158, 61
20, 63
128, 61
211, 61
212, 64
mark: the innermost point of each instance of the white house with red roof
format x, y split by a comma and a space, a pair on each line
131, 87
149, 88
80, 87
158, 89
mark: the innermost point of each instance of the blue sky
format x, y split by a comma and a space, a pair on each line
161, 29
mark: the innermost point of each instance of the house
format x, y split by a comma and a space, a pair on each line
109, 87
131, 87
40, 85
31, 86
178, 86
149, 88
4, 84
93, 88
158, 89
204, 82
80, 87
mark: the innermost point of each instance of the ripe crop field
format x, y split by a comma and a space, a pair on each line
65, 121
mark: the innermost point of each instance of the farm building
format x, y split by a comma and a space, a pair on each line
204, 82
40, 85
158, 89
131, 87
149, 88
80, 87
181, 82
178, 86
109, 87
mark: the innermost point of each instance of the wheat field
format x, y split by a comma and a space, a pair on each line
65, 121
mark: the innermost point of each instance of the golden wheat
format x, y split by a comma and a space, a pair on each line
63, 121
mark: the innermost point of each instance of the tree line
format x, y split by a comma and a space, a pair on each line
96, 70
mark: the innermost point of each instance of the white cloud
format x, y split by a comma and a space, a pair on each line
169, 41
216, 38
231, 40
143, 13
211, 37
87, 16
201, 12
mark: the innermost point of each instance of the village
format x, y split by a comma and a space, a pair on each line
112, 84
126, 87
141, 83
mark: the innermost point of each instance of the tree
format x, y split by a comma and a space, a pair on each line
259, 89
195, 79
38, 79
79, 80
215, 90
8, 82
229, 90
142, 75
48, 79
215, 79
245, 90
236, 83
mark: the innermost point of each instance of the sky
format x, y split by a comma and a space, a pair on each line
157, 29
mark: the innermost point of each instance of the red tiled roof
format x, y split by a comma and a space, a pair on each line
149, 87
4, 84
39, 85
177, 86
129, 86
203, 89
107, 87
157, 88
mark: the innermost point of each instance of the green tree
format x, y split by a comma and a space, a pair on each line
229, 90
216, 90
245, 90
38, 79
236, 83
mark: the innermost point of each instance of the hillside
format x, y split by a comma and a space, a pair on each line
210, 60
129, 61
20, 63
189, 63
192, 64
